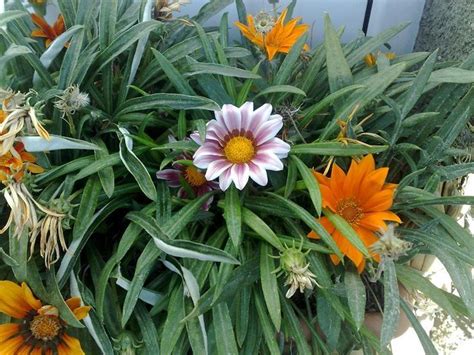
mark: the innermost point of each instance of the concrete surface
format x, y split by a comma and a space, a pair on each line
449, 26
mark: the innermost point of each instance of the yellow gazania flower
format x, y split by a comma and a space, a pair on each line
363, 199
280, 39
40, 330
370, 59
44, 30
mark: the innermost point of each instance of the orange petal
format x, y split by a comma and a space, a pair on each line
39, 33
375, 220
35, 169
335, 259
70, 346
59, 25
327, 195
8, 330
381, 201
12, 300
372, 183
11, 346
29, 298
322, 179
82, 312
326, 223
347, 248
73, 303
271, 51
337, 182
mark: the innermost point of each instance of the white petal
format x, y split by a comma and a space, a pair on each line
195, 137
216, 168
276, 146
268, 161
225, 179
258, 174
268, 130
240, 175
232, 117
260, 116
246, 112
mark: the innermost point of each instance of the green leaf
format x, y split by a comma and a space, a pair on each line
452, 75
219, 69
245, 90
173, 74
233, 215
180, 248
287, 66
288, 89
261, 228
171, 101
19, 253
8, 16
425, 340
339, 72
138, 170
106, 175
419, 118
310, 221
87, 207
266, 326
226, 344
391, 314
356, 297
294, 326
173, 325
269, 283
311, 183
12, 52
336, 149
347, 231
7, 259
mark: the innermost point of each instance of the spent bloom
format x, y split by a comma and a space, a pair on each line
294, 266
17, 115
241, 144
273, 36
40, 330
71, 100
390, 245
363, 199
164, 8
181, 174
44, 30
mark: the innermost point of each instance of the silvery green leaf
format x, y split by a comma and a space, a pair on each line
12, 52
126, 136
146, 295
38, 144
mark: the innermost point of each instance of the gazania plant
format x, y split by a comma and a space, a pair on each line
167, 189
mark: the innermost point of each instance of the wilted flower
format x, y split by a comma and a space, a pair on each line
19, 115
165, 8
293, 264
22, 204
241, 143
72, 100
363, 199
126, 343
44, 30
40, 330
273, 37
57, 217
188, 174
390, 245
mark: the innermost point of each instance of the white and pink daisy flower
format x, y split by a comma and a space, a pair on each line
241, 144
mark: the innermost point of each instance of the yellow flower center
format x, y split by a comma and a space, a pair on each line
45, 327
194, 177
239, 150
350, 210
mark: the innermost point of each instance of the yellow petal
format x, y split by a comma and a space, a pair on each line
8, 330
29, 298
70, 346
82, 312
12, 300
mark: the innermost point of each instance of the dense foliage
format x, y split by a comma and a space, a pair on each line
211, 271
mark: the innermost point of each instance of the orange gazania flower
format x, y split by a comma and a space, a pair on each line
370, 59
50, 33
40, 330
15, 165
279, 39
363, 199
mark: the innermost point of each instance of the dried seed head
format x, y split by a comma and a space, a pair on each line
72, 100
264, 22
390, 245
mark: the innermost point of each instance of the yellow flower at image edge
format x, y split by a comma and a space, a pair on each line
279, 39
363, 199
40, 331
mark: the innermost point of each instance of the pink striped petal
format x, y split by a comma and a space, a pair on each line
196, 138
268, 130
268, 161
276, 146
225, 179
170, 175
203, 161
260, 116
246, 112
258, 174
232, 117
240, 175
218, 128
216, 168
